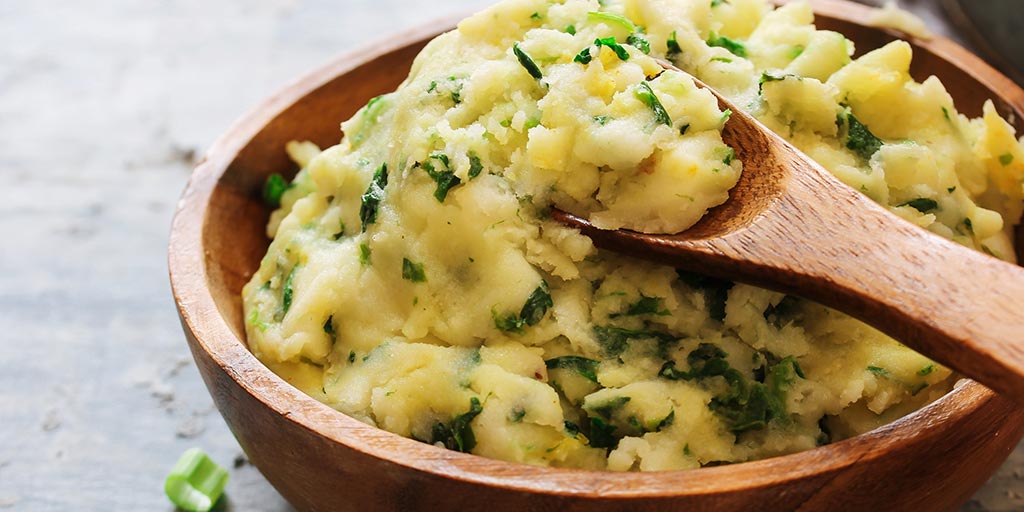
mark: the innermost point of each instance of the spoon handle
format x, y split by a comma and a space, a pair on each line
824, 241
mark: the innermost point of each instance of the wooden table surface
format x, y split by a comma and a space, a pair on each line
104, 107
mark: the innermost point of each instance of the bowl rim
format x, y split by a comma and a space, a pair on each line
201, 316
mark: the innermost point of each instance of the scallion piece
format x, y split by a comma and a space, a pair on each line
196, 482
645, 94
527, 62
613, 19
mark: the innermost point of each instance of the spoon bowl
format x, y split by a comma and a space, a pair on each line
791, 226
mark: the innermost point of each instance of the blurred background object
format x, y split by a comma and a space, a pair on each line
994, 28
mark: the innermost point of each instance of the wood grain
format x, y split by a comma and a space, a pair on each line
322, 460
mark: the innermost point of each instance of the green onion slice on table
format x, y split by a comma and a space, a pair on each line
196, 482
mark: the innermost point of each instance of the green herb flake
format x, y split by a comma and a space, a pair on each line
584, 57
614, 46
329, 326
672, 45
645, 94
614, 340
458, 434
647, 306
289, 291
684, 128
365, 254
587, 368
605, 409
517, 414
922, 204
878, 371
613, 19
726, 60
352, 356
273, 189
639, 42
373, 196
716, 3
1006, 159
536, 305
601, 120
927, 370
730, 154
602, 435
570, 29
475, 165
735, 47
527, 62
969, 225
445, 179
945, 113
860, 139
535, 16
413, 271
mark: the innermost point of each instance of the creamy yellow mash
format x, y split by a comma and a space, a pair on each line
415, 282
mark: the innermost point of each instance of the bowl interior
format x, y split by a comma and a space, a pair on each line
233, 231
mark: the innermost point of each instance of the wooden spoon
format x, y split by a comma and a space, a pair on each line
789, 225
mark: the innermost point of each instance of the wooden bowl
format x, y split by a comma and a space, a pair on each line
320, 459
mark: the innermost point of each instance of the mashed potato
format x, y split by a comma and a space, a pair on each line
415, 282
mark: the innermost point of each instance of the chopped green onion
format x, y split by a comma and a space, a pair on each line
527, 62
274, 188
639, 42
373, 196
645, 94
1006, 159
475, 165
196, 482
570, 29
584, 56
610, 42
735, 47
613, 19
922, 204
673, 46
413, 271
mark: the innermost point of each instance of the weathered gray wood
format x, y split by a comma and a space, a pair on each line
103, 107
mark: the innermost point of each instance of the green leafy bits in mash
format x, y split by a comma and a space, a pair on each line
532, 313
645, 94
584, 57
373, 196
1006, 159
289, 291
647, 306
413, 271
475, 165
570, 29
859, 138
527, 62
329, 325
639, 42
458, 434
673, 46
445, 179
721, 59
735, 47
922, 204
602, 435
273, 189
927, 370
613, 19
614, 340
365, 253
587, 368
517, 414
716, 3
606, 408
684, 128
878, 371
373, 109
601, 120
614, 46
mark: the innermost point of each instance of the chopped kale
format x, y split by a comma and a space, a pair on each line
735, 47
1006, 159
413, 271
475, 165
445, 179
922, 204
587, 368
614, 340
602, 435
610, 42
716, 291
639, 42
536, 305
458, 434
860, 139
273, 189
571, 429
329, 326
777, 312
647, 306
527, 62
645, 94
373, 196
605, 409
